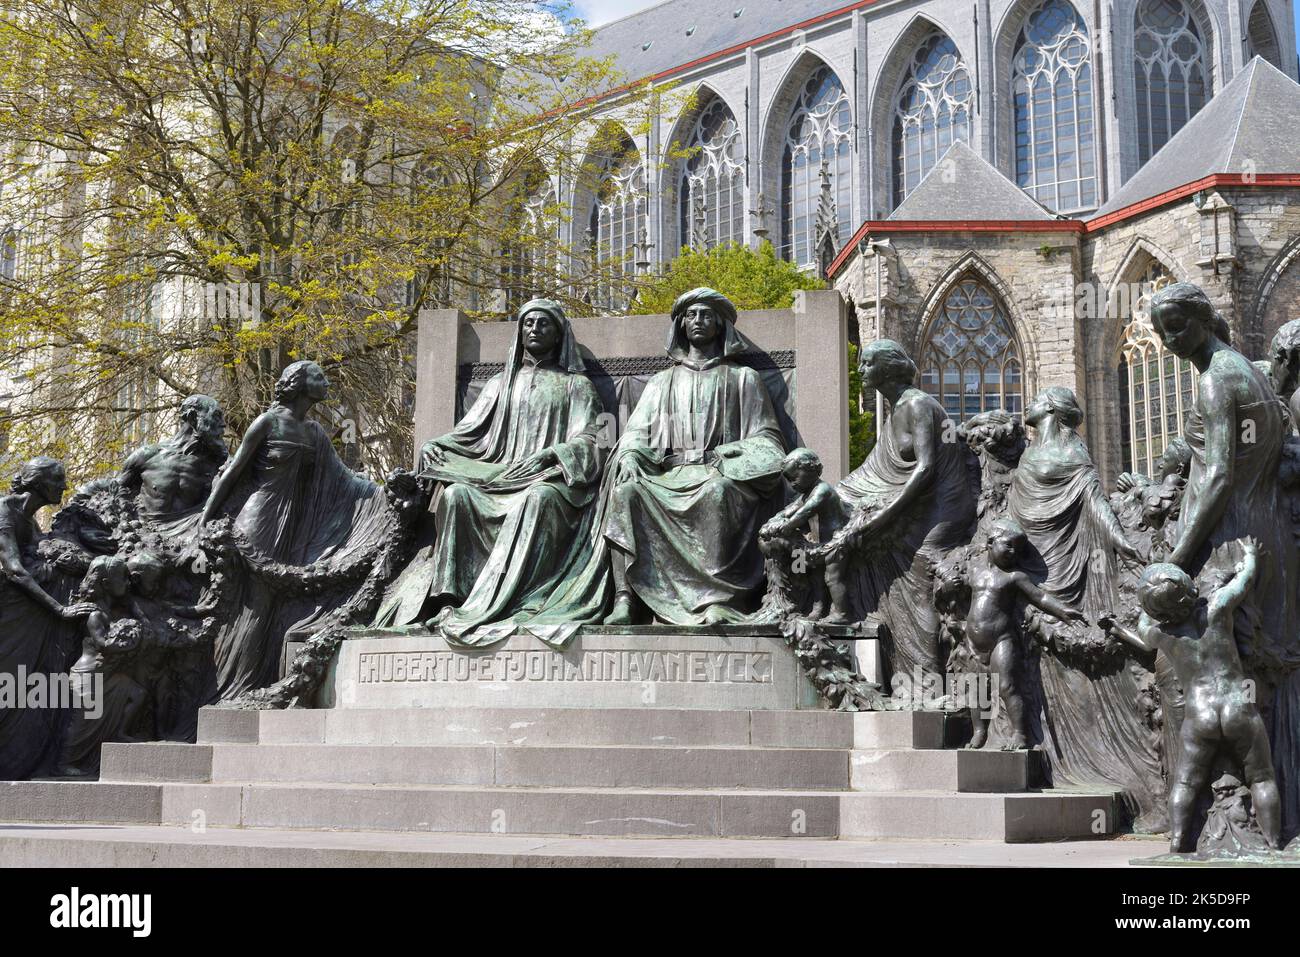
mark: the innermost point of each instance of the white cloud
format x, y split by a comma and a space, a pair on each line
596, 12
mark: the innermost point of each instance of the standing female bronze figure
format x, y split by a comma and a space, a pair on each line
1089, 718
297, 505
36, 629
1235, 434
914, 494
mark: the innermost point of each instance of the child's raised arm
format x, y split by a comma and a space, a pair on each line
1107, 623
1036, 596
1225, 599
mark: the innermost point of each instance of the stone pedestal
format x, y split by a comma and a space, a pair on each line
741, 667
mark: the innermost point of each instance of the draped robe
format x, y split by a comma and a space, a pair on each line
504, 538
1266, 625
1092, 726
32, 639
691, 529
300, 505
897, 582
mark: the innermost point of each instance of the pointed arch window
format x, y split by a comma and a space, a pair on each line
1171, 72
818, 150
1051, 87
618, 223
1261, 38
970, 359
1157, 389
932, 111
529, 263
712, 189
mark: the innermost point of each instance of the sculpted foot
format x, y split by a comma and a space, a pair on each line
622, 612
715, 615
977, 740
837, 618
1017, 743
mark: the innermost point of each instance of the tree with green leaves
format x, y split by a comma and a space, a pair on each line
752, 279
195, 194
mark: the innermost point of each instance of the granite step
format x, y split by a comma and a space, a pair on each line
554, 766
507, 766
579, 811
166, 846
950, 770
1053, 815
527, 727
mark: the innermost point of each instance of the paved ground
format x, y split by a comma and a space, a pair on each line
35, 845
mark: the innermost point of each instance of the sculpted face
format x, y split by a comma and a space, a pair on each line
1181, 332
51, 486
802, 477
107, 578
146, 576
701, 325
1037, 410
1002, 548
316, 386
541, 333
205, 418
209, 420
875, 369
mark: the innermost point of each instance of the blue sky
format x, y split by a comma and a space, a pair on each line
597, 12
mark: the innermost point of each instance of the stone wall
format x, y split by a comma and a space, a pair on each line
1063, 290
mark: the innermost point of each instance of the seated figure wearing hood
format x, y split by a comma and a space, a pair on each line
511, 485
688, 485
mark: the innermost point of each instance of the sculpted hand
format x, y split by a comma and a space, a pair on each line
627, 469
543, 459
82, 609
433, 454
1128, 550
1074, 614
1126, 482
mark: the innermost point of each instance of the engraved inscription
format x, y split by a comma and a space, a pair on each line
729, 667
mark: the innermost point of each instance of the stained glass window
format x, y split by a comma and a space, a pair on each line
1157, 389
529, 267
819, 137
1051, 87
1261, 38
618, 222
970, 360
712, 198
1171, 70
932, 110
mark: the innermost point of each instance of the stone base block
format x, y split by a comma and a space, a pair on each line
741, 667
962, 771
1013, 818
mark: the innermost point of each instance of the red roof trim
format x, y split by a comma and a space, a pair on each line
1247, 180
880, 226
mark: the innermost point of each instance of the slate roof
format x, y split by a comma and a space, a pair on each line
1251, 125
962, 186
714, 28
